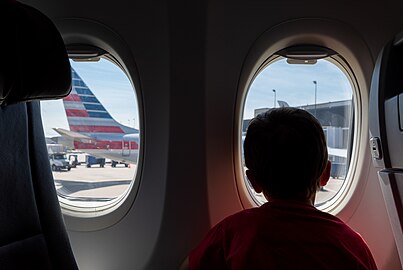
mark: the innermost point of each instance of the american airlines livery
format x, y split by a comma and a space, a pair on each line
92, 128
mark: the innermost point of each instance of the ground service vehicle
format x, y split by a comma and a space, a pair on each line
59, 161
173, 85
114, 163
91, 160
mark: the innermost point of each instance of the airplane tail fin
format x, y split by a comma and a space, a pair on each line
282, 103
86, 114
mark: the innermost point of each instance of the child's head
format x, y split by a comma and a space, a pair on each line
285, 152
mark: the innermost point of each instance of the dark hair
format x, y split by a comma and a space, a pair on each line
286, 150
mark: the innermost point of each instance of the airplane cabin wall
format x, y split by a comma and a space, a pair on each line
243, 24
186, 59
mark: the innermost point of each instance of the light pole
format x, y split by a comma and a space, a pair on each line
316, 89
274, 91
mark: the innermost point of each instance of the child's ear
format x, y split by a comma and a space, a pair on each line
325, 175
252, 179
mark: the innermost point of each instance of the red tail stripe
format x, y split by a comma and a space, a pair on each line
72, 97
74, 112
105, 129
104, 145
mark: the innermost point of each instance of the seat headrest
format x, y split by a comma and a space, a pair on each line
34, 61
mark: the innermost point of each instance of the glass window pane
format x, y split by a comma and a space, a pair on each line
322, 89
93, 136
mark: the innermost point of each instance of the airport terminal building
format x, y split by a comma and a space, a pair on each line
335, 118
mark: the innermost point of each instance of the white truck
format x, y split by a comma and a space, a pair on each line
59, 161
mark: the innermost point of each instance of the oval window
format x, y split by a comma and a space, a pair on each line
320, 87
92, 137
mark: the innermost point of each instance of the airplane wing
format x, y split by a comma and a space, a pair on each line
73, 135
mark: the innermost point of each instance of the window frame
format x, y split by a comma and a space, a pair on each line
246, 194
104, 38
70, 209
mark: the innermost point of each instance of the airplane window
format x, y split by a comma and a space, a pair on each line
321, 88
92, 137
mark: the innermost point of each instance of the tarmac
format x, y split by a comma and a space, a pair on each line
95, 186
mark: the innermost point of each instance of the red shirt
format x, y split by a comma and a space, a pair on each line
282, 235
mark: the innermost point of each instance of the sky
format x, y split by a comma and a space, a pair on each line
293, 83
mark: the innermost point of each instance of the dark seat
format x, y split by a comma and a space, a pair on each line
34, 66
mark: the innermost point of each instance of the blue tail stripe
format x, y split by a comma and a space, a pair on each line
89, 99
95, 107
79, 83
99, 114
83, 91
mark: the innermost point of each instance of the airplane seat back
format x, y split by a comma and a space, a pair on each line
386, 131
34, 66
